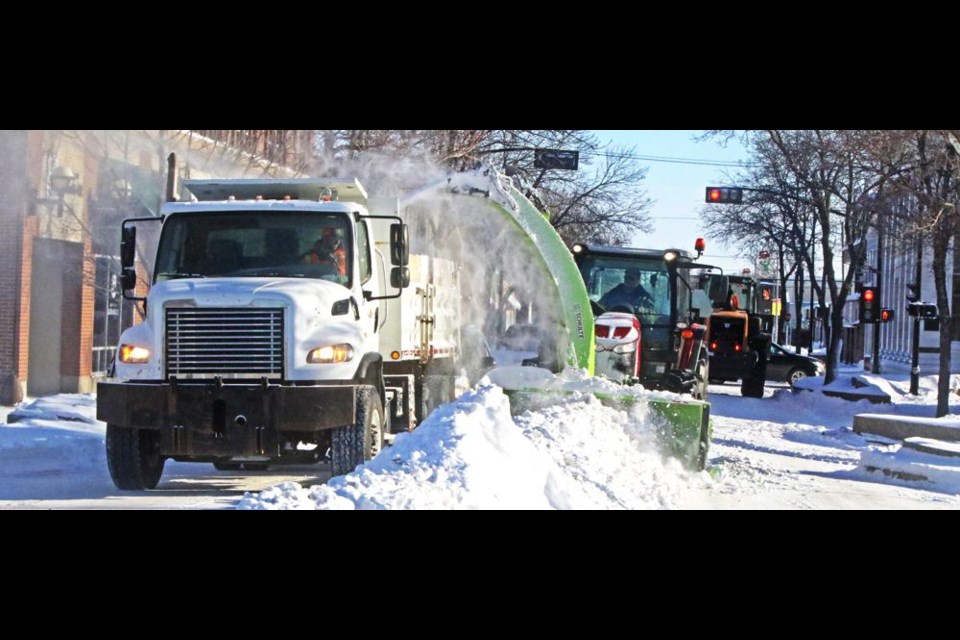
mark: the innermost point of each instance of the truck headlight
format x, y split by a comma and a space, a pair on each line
132, 354
331, 354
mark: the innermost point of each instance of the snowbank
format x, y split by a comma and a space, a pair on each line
470, 454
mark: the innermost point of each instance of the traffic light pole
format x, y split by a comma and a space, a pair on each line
875, 358
915, 367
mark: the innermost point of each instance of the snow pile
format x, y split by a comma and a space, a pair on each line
843, 383
936, 472
471, 454
573, 382
56, 433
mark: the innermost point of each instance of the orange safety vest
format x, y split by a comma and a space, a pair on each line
339, 256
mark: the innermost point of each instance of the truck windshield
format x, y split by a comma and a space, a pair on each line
628, 284
256, 244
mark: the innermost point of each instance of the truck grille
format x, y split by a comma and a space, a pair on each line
224, 342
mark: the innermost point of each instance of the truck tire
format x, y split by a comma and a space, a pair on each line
352, 445
430, 392
133, 458
755, 379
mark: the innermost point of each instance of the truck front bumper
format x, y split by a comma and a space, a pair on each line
216, 421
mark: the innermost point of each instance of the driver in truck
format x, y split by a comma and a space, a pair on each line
628, 293
328, 250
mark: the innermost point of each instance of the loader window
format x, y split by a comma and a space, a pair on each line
610, 284
628, 284
251, 244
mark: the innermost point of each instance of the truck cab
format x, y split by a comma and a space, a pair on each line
277, 325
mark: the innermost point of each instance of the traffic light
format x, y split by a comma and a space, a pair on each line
869, 304
913, 292
923, 310
724, 195
886, 314
929, 311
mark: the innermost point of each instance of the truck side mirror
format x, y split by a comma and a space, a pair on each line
399, 245
128, 247
400, 277
128, 278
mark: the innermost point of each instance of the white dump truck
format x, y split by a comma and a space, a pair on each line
284, 318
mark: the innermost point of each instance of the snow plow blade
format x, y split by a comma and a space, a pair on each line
687, 437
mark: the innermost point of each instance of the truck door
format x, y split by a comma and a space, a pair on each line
372, 313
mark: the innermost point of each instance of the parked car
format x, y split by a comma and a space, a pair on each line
789, 367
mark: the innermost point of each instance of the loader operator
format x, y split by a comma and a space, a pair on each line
328, 250
629, 293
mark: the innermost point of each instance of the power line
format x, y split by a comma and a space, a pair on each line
669, 159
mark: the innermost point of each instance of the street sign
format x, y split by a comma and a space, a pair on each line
556, 159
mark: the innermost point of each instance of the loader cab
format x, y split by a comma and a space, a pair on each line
651, 285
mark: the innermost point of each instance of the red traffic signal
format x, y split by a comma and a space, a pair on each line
886, 315
724, 195
869, 304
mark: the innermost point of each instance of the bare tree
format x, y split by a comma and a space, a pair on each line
929, 177
602, 202
771, 219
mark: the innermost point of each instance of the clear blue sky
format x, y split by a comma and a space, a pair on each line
677, 188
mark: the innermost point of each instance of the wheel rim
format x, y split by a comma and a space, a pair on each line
796, 376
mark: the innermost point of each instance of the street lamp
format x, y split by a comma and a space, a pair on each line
62, 182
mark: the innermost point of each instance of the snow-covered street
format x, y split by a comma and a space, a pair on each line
785, 451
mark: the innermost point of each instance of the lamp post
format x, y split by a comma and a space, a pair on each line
62, 182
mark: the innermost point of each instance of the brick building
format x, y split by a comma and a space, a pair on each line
65, 195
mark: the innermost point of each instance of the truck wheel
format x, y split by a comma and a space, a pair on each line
133, 458
755, 379
351, 445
